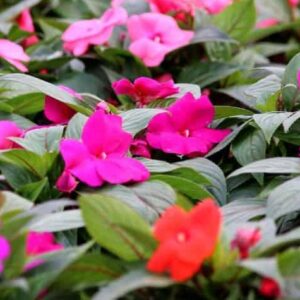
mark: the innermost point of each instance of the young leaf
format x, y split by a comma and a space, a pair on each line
116, 227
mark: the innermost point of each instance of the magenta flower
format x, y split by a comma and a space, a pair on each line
145, 90
294, 3
102, 154
25, 22
57, 111
183, 128
9, 129
154, 35
82, 34
14, 54
4, 251
40, 243
66, 183
140, 147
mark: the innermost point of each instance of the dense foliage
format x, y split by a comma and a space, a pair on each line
149, 149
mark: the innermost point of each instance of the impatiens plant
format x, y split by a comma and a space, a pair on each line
149, 149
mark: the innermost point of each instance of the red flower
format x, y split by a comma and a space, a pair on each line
186, 239
244, 240
269, 288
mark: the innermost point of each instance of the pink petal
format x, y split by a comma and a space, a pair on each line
150, 52
191, 113
5, 249
18, 65
123, 87
103, 133
212, 135
122, 170
79, 162
8, 129
13, 51
57, 111
66, 182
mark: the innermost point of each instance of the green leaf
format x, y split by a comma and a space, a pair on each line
19, 120
54, 263
250, 146
270, 122
284, 199
12, 202
33, 190
157, 166
57, 221
17, 176
16, 261
237, 20
188, 88
37, 165
289, 267
41, 140
148, 199
116, 227
204, 168
278, 165
88, 271
213, 173
16, 9
135, 120
229, 139
185, 186
266, 267
230, 111
75, 126
290, 84
241, 211
206, 73
46, 88
263, 89
27, 104
131, 281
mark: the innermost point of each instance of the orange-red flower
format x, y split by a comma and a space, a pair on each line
186, 239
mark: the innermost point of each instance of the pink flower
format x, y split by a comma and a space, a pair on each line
140, 147
145, 90
14, 54
266, 23
215, 6
9, 129
4, 251
244, 240
183, 128
188, 6
57, 111
116, 3
154, 35
66, 183
25, 23
82, 34
102, 154
40, 243
294, 3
